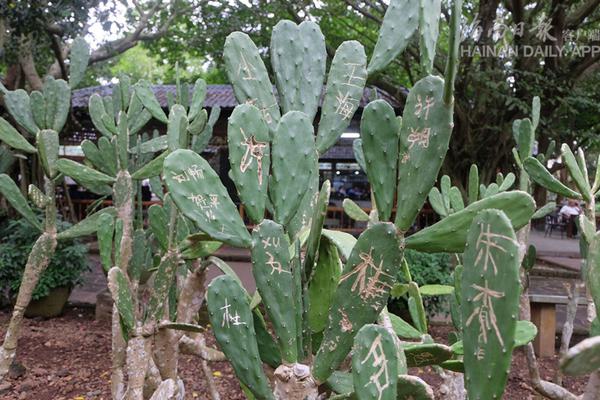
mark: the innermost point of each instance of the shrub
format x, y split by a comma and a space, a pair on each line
18, 237
426, 269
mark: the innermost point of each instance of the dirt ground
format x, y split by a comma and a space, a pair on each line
68, 358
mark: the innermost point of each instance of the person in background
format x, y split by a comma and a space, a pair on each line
569, 212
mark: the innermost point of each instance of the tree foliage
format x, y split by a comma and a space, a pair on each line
492, 90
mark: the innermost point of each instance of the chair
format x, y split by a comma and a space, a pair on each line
555, 221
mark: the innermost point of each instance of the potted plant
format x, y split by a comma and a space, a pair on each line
64, 272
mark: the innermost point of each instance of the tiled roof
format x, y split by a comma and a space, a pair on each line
216, 95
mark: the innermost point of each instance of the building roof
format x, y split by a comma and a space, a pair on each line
216, 95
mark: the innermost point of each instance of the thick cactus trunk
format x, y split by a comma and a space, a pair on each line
124, 204
38, 261
39, 258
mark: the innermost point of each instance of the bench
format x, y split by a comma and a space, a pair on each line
543, 315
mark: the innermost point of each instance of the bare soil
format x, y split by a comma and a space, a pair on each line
68, 358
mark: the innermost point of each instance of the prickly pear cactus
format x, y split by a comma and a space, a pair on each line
375, 364
298, 57
362, 293
293, 157
250, 158
490, 303
379, 130
233, 325
199, 194
400, 22
583, 358
249, 77
345, 86
273, 276
424, 138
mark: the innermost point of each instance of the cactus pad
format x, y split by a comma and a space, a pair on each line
345, 86
233, 327
379, 130
363, 291
248, 74
450, 234
293, 158
490, 303
400, 22
424, 137
274, 281
583, 358
250, 158
298, 57
375, 364
199, 194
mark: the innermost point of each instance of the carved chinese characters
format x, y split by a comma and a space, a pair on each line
490, 293
198, 192
274, 281
345, 85
424, 137
362, 293
233, 326
375, 364
250, 158
247, 73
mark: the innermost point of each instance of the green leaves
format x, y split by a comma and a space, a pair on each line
146, 96
233, 326
48, 146
362, 293
81, 173
118, 285
375, 353
19, 106
298, 58
449, 235
354, 211
424, 138
542, 176
57, 95
429, 21
293, 156
583, 358
490, 303
273, 276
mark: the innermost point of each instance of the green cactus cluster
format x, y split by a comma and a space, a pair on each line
319, 315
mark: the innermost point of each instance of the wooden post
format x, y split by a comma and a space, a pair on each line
543, 315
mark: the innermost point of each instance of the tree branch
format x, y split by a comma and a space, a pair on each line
28, 66
577, 16
118, 46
